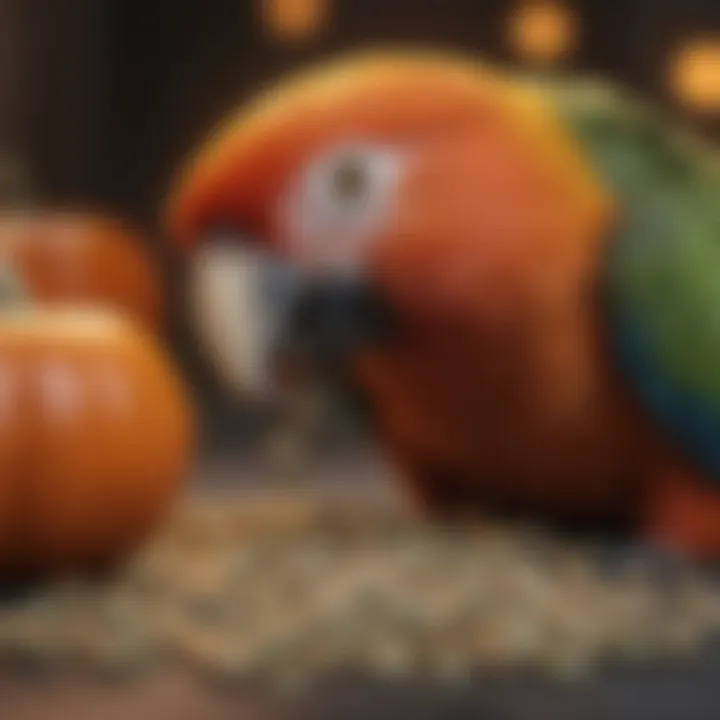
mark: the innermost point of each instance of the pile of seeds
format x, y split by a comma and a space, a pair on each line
292, 589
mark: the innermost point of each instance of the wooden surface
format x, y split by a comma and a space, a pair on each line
688, 693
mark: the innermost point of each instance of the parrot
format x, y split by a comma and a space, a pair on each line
521, 275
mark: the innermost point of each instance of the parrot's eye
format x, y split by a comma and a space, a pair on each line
339, 201
350, 179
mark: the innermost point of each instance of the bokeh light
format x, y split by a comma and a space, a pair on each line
293, 20
542, 31
695, 74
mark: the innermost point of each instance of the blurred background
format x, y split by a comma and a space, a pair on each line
102, 99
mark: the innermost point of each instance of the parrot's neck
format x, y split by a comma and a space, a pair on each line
531, 416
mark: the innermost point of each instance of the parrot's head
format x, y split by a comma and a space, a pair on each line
336, 208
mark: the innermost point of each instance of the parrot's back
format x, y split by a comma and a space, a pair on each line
660, 290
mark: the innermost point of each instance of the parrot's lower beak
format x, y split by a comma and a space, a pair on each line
333, 319
261, 324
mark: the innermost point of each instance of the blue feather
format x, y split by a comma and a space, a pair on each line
690, 419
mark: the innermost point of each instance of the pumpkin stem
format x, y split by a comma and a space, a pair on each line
15, 195
13, 290
15, 185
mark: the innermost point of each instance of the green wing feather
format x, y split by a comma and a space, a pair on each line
661, 284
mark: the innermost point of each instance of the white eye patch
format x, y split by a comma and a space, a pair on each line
338, 203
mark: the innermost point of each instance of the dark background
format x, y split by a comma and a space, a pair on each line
103, 98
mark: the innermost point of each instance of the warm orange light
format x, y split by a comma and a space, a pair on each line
695, 75
542, 31
294, 19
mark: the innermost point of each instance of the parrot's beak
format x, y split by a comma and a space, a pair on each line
261, 323
239, 301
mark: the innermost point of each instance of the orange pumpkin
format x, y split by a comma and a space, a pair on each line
83, 258
95, 437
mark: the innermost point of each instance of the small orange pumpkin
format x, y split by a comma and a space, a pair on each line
95, 437
71, 257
